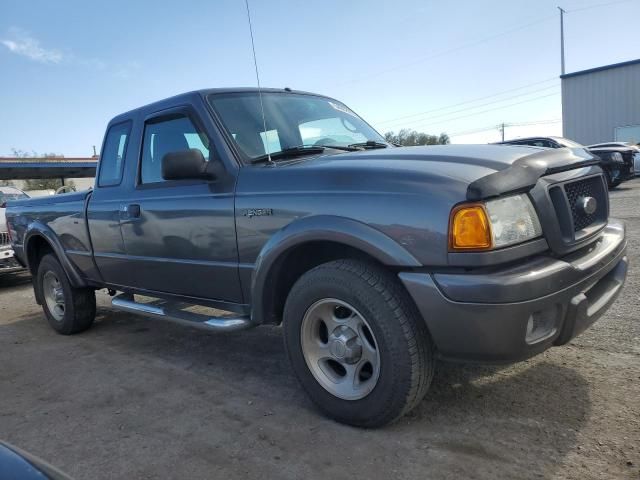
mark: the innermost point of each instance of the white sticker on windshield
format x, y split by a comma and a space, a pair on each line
342, 108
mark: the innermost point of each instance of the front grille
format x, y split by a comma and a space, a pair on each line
575, 222
575, 191
4, 238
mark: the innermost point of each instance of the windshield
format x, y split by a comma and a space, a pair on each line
7, 196
292, 120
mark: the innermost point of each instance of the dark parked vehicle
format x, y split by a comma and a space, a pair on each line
614, 144
617, 162
629, 151
376, 260
16, 464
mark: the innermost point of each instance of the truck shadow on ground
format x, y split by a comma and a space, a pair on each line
470, 412
476, 421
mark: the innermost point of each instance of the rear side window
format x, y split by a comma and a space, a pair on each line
112, 156
165, 136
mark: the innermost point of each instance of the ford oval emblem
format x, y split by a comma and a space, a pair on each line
588, 205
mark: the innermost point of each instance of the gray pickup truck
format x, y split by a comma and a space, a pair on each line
284, 207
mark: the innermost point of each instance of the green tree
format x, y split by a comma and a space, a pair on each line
407, 137
23, 153
40, 183
444, 139
33, 154
45, 183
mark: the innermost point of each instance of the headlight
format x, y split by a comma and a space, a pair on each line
493, 224
617, 157
513, 220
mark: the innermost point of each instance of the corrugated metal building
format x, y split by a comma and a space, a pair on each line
602, 104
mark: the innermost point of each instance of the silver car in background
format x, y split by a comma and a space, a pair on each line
7, 260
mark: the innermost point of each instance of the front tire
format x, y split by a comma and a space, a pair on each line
357, 344
68, 310
610, 182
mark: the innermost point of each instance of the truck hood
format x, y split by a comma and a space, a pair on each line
485, 170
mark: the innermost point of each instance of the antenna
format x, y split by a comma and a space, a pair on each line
255, 63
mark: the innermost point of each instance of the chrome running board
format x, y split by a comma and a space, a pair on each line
172, 311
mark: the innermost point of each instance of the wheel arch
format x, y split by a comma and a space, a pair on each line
307, 243
41, 239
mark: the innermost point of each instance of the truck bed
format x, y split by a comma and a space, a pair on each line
63, 214
17, 205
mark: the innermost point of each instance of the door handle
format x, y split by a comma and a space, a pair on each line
130, 212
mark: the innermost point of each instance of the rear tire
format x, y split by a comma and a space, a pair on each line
68, 310
357, 343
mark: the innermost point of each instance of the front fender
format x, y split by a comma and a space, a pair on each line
38, 229
329, 228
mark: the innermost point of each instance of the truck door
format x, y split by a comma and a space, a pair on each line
179, 235
103, 210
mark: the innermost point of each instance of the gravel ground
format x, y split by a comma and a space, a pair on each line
137, 399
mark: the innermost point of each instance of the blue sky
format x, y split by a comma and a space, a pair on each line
68, 66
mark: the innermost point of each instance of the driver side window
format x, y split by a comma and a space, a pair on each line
166, 136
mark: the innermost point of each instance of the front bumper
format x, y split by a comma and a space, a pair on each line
620, 173
484, 316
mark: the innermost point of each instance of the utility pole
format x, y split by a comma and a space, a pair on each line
501, 128
562, 12
94, 151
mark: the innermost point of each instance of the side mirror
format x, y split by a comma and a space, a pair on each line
185, 165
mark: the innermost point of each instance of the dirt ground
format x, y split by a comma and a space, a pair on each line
137, 399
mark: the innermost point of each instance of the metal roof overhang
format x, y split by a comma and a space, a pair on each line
27, 170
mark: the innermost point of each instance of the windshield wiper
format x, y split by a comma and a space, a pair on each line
346, 148
369, 144
289, 152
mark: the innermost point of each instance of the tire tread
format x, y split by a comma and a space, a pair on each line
82, 313
416, 336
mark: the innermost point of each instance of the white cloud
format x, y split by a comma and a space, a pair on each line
21, 43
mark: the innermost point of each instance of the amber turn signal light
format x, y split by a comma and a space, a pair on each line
469, 228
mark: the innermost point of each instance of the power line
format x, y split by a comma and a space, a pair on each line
537, 122
589, 7
390, 120
446, 114
489, 110
475, 130
445, 52
471, 44
494, 127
